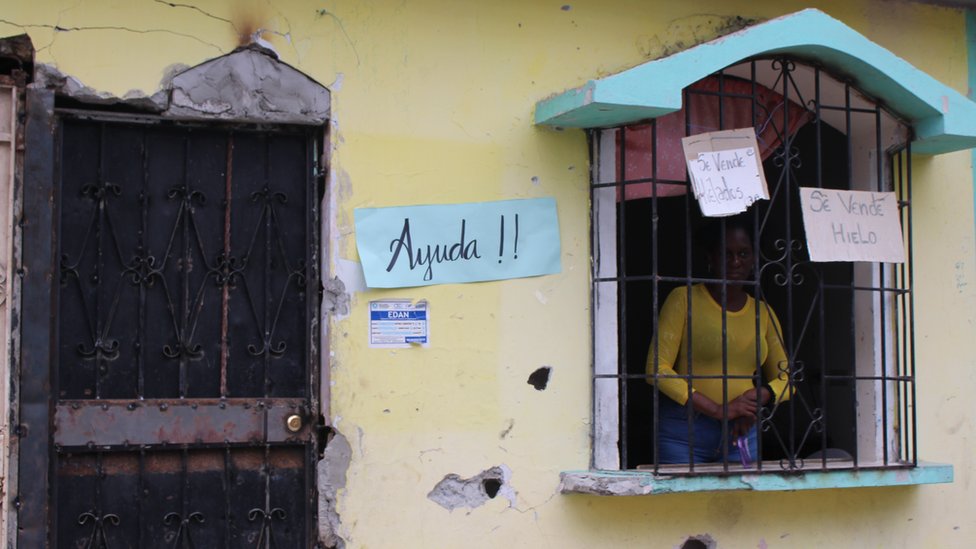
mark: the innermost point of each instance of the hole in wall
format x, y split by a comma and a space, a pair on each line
491, 486
699, 542
540, 378
323, 434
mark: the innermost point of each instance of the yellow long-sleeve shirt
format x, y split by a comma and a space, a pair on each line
705, 335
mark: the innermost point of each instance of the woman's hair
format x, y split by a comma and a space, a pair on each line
709, 235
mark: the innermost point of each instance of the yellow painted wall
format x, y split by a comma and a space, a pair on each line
433, 102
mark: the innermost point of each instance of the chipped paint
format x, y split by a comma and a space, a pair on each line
644, 483
335, 299
331, 470
48, 76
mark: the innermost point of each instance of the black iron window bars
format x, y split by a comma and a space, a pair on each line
847, 329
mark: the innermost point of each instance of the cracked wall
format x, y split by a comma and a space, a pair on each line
435, 105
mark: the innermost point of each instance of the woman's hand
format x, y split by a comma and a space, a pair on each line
751, 394
741, 406
747, 401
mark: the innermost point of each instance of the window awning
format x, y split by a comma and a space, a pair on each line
943, 119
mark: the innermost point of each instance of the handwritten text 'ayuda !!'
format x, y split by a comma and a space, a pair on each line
427, 255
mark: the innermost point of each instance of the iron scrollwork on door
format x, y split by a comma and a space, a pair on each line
97, 539
188, 304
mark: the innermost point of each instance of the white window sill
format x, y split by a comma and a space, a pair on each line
644, 483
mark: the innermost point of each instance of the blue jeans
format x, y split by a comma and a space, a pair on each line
673, 440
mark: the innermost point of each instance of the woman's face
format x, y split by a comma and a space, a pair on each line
738, 256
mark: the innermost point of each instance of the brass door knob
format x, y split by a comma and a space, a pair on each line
294, 423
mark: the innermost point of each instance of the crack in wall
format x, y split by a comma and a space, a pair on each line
287, 34
58, 28
535, 507
251, 31
324, 12
197, 9
54, 35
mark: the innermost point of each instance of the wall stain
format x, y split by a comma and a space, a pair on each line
689, 31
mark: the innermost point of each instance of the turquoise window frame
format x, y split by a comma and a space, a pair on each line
943, 119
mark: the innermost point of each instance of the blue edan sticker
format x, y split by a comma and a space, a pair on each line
398, 323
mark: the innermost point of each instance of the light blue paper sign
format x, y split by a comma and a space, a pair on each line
440, 244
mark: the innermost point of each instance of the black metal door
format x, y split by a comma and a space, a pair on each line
184, 319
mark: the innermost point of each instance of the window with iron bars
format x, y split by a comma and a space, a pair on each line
846, 328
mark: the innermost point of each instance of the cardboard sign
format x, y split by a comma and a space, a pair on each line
726, 171
852, 225
439, 244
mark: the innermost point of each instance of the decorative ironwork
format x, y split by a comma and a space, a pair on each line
101, 345
142, 271
265, 536
102, 261
98, 538
183, 539
227, 271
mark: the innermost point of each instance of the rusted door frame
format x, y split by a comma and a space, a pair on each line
38, 334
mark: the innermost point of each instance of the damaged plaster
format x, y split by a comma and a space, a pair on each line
453, 491
603, 485
49, 77
335, 299
331, 471
249, 84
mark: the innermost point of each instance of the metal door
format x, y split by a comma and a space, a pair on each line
183, 303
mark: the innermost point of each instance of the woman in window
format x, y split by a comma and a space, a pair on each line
721, 387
